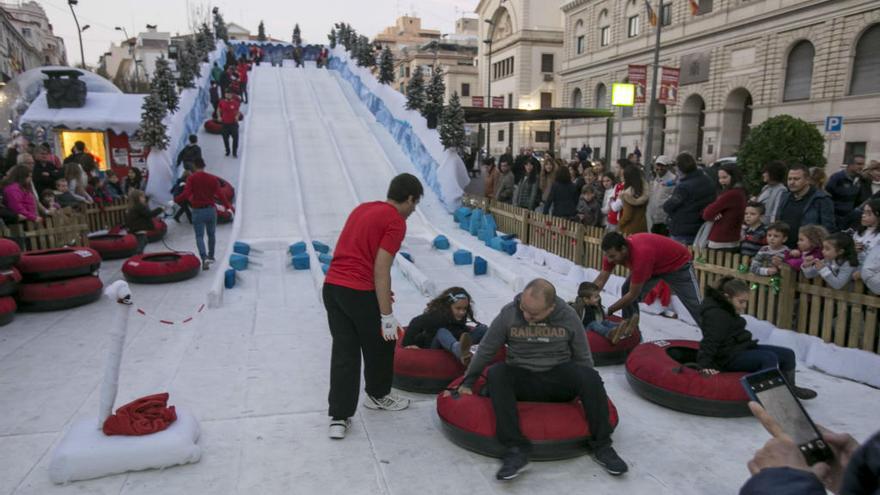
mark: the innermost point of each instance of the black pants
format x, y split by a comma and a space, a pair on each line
508, 384
660, 229
230, 130
142, 241
682, 282
355, 325
244, 92
184, 210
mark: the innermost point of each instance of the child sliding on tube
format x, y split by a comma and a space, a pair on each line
589, 308
443, 325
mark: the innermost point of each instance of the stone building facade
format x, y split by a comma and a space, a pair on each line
32, 22
741, 61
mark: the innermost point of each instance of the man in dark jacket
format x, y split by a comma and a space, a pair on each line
81, 156
548, 360
45, 172
694, 192
190, 153
843, 186
803, 204
584, 153
779, 468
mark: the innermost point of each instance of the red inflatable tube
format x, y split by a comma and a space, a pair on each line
605, 353
227, 190
114, 246
213, 126
7, 310
9, 280
160, 228
664, 372
425, 371
556, 430
60, 294
223, 215
9, 253
161, 268
54, 264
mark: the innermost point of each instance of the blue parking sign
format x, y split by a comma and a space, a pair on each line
834, 123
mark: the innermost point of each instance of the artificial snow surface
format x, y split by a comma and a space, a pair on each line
255, 369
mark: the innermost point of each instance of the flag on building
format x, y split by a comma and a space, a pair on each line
695, 7
652, 16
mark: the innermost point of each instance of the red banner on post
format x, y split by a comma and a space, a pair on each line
477, 101
497, 102
638, 75
668, 86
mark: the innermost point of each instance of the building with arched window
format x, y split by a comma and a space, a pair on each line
741, 62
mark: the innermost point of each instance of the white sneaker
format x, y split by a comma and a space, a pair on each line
390, 402
339, 427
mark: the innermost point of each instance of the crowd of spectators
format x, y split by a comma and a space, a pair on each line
826, 228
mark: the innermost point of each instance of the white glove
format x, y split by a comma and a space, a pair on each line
390, 327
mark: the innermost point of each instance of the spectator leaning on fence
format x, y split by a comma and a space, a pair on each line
18, 193
528, 192
840, 263
867, 236
774, 174
661, 189
869, 271
770, 258
563, 196
727, 211
505, 182
809, 246
694, 192
803, 204
633, 214
754, 233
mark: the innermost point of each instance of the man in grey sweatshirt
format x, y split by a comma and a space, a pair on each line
548, 360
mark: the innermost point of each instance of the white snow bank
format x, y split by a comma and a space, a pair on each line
443, 170
86, 452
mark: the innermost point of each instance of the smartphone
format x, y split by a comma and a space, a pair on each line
771, 390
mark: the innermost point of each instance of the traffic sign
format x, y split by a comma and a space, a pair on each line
834, 123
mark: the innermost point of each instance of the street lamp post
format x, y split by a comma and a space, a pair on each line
489, 85
79, 31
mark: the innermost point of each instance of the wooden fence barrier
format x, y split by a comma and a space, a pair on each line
67, 227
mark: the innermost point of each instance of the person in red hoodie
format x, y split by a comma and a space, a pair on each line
202, 190
243, 78
727, 211
229, 110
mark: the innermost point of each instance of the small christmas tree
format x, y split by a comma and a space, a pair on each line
434, 98
415, 91
205, 41
452, 125
163, 84
261, 32
153, 131
366, 57
386, 67
297, 35
187, 65
220, 26
332, 38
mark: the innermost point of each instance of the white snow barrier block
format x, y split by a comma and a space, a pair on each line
854, 364
86, 452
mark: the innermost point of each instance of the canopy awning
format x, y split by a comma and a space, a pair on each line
478, 115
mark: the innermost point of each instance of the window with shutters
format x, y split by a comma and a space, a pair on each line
546, 62
604, 29
465, 89
632, 27
666, 14
799, 72
866, 64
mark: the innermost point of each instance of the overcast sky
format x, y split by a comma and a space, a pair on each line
314, 17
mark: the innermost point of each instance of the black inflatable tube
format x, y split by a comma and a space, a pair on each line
58, 304
7, 318
8, 261
610, 358
62, 273
541, 451
162, 279
686, 403
420, 385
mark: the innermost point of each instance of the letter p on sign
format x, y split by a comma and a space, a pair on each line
834, 123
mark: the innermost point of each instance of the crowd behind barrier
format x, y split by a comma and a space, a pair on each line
847, 318
67, 226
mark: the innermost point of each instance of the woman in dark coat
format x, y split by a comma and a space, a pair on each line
563, 195
728, 346
139, 217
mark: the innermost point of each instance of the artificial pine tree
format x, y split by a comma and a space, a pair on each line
205, 41
163, 85
152, 130
386, 67
187, 65
332, 38
434, 98
452, 125
415, 91
366, 57
261, 32
297, 35
220, 26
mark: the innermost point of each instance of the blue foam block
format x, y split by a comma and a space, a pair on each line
476, 222
325, 258
441, 242
462, 257
238, 261
496, 243
325, 268
485, 235
241, 248
508, 246
481, 266
489, 222
301, 261
297, 248
508, 237
407, 256
465, 224
461, 213
229, 278
320, 247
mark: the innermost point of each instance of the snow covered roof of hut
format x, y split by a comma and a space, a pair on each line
119, 112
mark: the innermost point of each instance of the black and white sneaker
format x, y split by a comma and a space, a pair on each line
390, 402
513, 463
339, 427
608, 459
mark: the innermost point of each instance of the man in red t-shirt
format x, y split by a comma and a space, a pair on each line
229, 110
357, 296
202, 192
650, 258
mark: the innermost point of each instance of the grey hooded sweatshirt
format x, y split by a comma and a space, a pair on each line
537, 347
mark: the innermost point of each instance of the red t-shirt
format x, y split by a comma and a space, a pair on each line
369, 227
228, 110
649, 255
202, 190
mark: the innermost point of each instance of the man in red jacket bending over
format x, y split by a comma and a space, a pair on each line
202, 190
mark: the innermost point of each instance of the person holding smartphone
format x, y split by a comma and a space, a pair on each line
728, 346
779, 467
